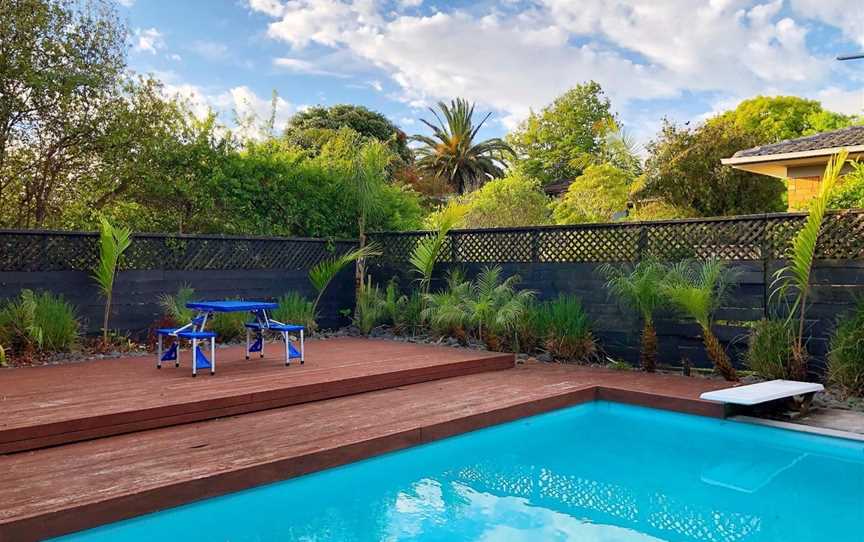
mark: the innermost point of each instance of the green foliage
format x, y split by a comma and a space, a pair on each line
640, 287
2, 356
795, 277
697, 289
451, 152
62, 61
566, 328
229, 326
445, 311
846, 353
324, 272
371, 310
296, 309
495, 306
38, 323
594, 196
426, 252
657, 210
174, 306
113, 242
512, 201
551, 145
306, 126
683, 169
769, 349
849, 191
775, 118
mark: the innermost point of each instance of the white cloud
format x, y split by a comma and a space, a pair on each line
239, 101
376, 85
273, 8
148, 40
298, 65
847, 15
521, 57
126, 3
850, 102
175, 57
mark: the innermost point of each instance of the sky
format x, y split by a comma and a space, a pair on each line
679, 59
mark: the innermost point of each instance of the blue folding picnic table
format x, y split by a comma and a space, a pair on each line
195, 331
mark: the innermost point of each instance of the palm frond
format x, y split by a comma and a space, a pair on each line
323, 273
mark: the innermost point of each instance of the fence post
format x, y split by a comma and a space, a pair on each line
642, 243
454, 249
535, 245
764, 249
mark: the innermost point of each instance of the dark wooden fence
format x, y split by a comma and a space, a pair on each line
215, 266
565, 259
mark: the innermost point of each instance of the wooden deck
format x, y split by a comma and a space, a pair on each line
57, 490
46, 406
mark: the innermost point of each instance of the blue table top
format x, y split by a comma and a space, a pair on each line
231, 306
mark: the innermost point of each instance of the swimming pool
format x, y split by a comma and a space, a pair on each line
594, 472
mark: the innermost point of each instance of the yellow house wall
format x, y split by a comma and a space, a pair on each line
801, 191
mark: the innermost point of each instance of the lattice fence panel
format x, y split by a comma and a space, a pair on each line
56, 251
754, 238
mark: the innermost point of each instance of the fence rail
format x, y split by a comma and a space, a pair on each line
33, 251
752, 237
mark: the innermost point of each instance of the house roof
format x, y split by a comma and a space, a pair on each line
827, 141
557, 188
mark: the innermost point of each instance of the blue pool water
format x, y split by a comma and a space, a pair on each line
594, 472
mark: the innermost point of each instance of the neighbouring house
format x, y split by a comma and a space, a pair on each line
802, 161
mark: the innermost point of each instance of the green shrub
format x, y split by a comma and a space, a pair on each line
229, 326
174, 306
445, 310
846, 354
567, 329
410, 314
533, 328
2, 357
296, 309
769, 349
38, 323
370, 310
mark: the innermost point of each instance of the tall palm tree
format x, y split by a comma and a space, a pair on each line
451, 153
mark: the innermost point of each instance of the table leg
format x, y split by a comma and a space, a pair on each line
302, 349
159, 352
248, 331
287, 349
212, 355
194, 356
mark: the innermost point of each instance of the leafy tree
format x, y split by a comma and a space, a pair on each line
775, 118
593, 196
309, 127
512, 201
684, 170
849, 192
551, 145
59, 60
451, 152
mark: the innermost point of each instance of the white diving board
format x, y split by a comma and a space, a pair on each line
763, 392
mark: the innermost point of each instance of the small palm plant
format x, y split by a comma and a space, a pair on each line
427, 251
697, 290
446, 310
174, 306
567, 329
495, 306
370, 175
113, 242
640, 288
323, 273
795, 277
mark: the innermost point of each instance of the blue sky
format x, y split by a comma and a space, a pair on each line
681, 59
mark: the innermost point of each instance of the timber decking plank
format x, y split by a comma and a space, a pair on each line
56, 490
45, 406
